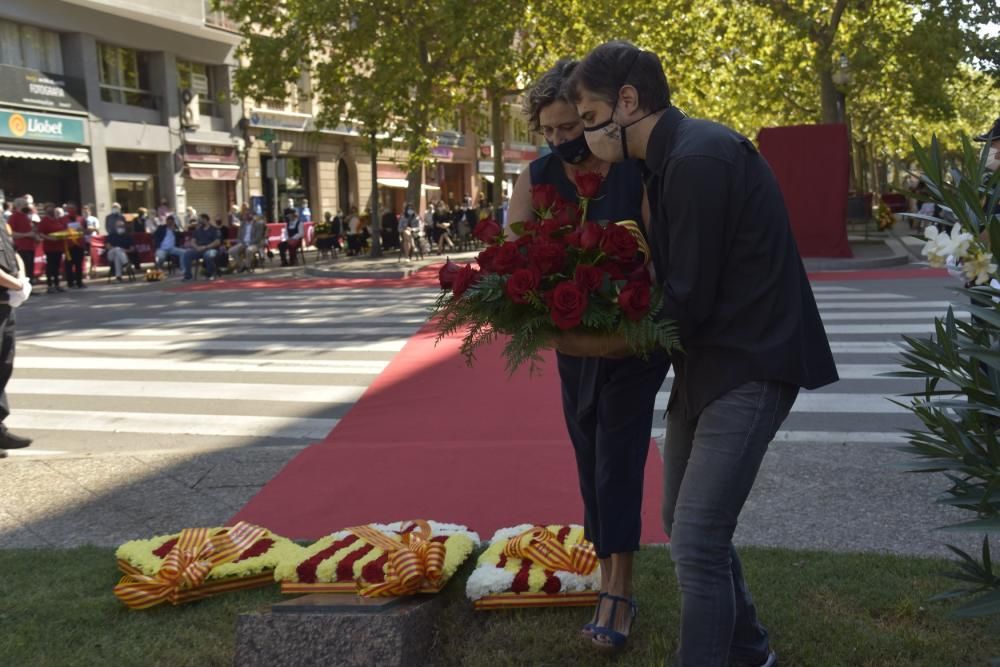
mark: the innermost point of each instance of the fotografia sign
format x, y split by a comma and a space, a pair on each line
31, 88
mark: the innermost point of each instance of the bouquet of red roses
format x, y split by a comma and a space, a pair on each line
562, 272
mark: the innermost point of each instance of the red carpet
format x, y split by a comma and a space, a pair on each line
434, 439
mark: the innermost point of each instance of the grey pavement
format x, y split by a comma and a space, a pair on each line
831, 482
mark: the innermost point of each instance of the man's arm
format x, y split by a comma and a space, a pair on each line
696, 197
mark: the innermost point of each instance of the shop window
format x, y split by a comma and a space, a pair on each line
31, 47
200, 79
124, 76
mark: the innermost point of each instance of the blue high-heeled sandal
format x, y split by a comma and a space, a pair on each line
608, 638
588, 629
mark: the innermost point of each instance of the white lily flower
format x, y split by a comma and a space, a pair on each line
979, 267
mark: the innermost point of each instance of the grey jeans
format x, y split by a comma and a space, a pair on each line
710, 465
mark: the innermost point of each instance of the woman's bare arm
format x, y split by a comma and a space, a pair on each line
520, 209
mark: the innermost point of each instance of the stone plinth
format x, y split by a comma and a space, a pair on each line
340, 630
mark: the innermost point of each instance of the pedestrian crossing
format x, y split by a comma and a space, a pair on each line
865, 328
208, 370
217, 369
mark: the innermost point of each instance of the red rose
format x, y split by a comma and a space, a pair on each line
466, 277
548, 257
567, 303
521, 282
568, 215
634, 300
613, 269
487, 231
588, 184
486, 257
446, 276
591, 235
543, 197
588, 277
549, 228
573, 238
640, 275
619, 243
508, 257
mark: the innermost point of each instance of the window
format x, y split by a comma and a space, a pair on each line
124, 76
201, 80
520, 132
31, 47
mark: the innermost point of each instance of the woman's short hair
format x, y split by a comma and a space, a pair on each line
549, 88
615, 64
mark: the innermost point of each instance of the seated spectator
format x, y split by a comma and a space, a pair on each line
141, 222
204, 246
168, 242
119, 245
294, 231
249, 238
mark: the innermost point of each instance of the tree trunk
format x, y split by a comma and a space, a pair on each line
376, 224
496, 128
829, 97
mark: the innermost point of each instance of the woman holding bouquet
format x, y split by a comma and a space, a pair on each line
607, 402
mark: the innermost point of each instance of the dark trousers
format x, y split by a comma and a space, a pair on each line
6, 356
74, 266
52, 260
289, 247
608, 406
710, 464
28, 257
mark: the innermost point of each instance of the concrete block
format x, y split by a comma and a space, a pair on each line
337, 630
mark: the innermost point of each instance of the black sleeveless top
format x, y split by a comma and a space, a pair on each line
620, 196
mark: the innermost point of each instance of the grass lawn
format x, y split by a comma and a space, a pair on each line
822, 610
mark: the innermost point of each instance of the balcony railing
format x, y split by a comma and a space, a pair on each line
218, 19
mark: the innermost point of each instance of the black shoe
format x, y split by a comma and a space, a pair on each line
59, 289
80, 285
10, 441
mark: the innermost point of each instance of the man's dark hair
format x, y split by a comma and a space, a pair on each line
549, 88
615, 64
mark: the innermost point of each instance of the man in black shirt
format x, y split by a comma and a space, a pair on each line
752, 335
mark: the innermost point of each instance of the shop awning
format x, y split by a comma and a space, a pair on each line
212, 172
67, 154
402, 184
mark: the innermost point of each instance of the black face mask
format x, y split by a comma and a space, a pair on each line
573, 151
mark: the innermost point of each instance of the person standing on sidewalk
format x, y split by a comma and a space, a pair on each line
15, 288
734, 283
54, 246
25, 236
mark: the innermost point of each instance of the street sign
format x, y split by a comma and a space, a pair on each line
267, 135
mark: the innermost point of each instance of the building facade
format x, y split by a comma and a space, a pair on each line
129, 101
122, 101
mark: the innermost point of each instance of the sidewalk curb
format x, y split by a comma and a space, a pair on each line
898, 257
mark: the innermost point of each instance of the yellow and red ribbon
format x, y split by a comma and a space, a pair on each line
197, 551
541, 546
411, 562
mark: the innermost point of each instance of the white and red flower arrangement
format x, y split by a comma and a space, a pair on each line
562, 272
535, 566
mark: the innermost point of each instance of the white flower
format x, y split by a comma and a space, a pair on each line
940, 245
979, 267
486, 580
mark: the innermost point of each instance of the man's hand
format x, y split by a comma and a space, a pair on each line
591, 345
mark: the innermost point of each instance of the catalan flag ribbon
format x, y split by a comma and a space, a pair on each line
410, 562
197, 551
541, 546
